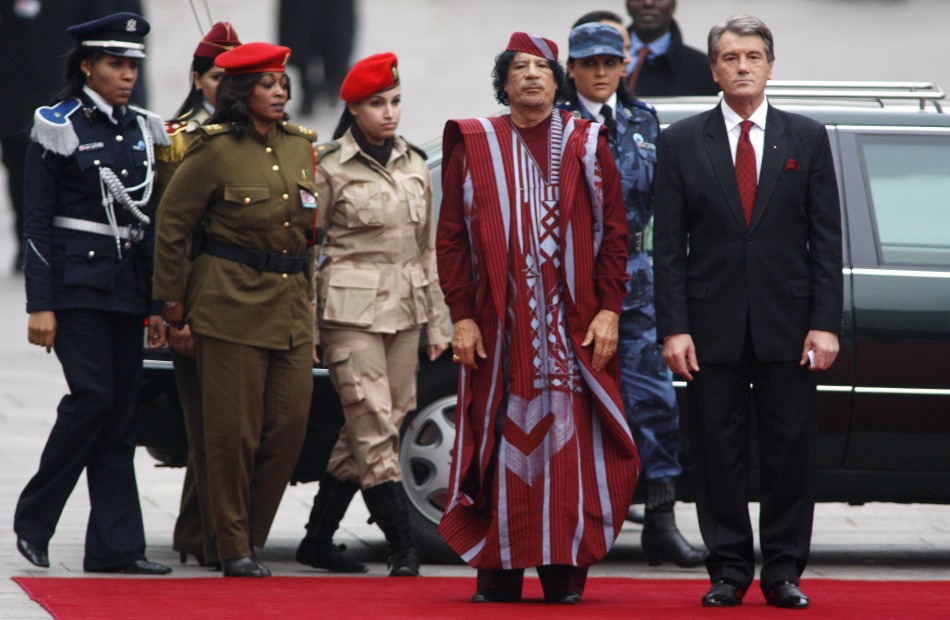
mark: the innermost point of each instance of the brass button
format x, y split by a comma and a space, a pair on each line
285, 276
247, 200
125, 173
286, 196
275, 167
91, 254
316, 194
119, 138
286, 224
268, 150
127, 246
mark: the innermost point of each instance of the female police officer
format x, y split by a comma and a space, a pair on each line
89, 176
246, 296
595, 67
378, 287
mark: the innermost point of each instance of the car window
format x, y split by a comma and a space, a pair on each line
908, 181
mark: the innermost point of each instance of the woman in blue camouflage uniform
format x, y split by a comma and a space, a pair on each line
595, 68
88, 238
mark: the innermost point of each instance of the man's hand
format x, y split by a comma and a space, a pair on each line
182, 341
603, 332
466, 343
41, 330
175, 315
680, 355
825, 346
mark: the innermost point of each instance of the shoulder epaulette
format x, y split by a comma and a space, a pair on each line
215, 129
299, 130
176, 135
156, 126
322, 150
417, 149
649, 108
52, 128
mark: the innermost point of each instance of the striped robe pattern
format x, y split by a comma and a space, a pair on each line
544, 466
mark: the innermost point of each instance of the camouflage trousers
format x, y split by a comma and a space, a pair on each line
375, 376
649, 398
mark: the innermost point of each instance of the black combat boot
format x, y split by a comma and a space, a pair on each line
661, 539
387, 507
329, 506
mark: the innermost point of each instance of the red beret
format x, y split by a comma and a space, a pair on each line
532, 44
221, 38
370, 75
254, 58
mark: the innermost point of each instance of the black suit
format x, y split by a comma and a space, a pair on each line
748, 296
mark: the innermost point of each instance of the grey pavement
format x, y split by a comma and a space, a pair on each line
445, 49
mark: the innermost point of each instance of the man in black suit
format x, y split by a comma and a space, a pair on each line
747, 250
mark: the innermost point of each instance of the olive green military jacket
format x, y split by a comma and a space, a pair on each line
378, 270
251, 192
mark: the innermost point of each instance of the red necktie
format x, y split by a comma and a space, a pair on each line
642, 54
745, 171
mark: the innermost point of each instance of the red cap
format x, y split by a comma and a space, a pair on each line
221, 38
532, 44
370, 75
254, 58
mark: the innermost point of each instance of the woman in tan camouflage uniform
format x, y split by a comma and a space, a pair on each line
377, 288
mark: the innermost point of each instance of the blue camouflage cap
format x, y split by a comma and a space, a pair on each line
119, 34
594, 39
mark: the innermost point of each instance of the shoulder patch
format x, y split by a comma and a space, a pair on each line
299, 130
52, 128
649, 108
322, 150
215, 129
176, 150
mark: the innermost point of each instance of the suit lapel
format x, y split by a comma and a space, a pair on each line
717, 149
775, 149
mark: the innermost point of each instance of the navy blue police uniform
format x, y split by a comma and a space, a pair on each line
647, 382
89, 242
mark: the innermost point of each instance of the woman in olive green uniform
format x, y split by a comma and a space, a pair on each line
194, 530
248, 179
377, 288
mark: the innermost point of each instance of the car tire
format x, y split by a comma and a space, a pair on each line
425, 455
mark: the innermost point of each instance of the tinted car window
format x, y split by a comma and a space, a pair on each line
909, 188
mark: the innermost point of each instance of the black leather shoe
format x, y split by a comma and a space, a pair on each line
31, 552
723, 593
244, 567
786, 594
496, 595
144, 567
562, 596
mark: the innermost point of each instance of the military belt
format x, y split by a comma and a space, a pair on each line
635, 242
96, 228
262, 260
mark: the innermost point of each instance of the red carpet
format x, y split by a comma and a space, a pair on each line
448, 597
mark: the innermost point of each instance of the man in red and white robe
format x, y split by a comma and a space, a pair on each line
532, 248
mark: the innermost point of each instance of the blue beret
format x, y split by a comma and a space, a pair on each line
119, 34
594, 39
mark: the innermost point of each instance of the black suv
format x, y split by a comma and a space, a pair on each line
884, 408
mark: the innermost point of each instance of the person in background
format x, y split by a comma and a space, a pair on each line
379, 249
36, 29
747, 257
595, 92
246, 296
321, 33
532, 244
194, 529
614, 21
88, 236
662, 65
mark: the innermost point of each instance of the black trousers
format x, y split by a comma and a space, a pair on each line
720, 430
101, 355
